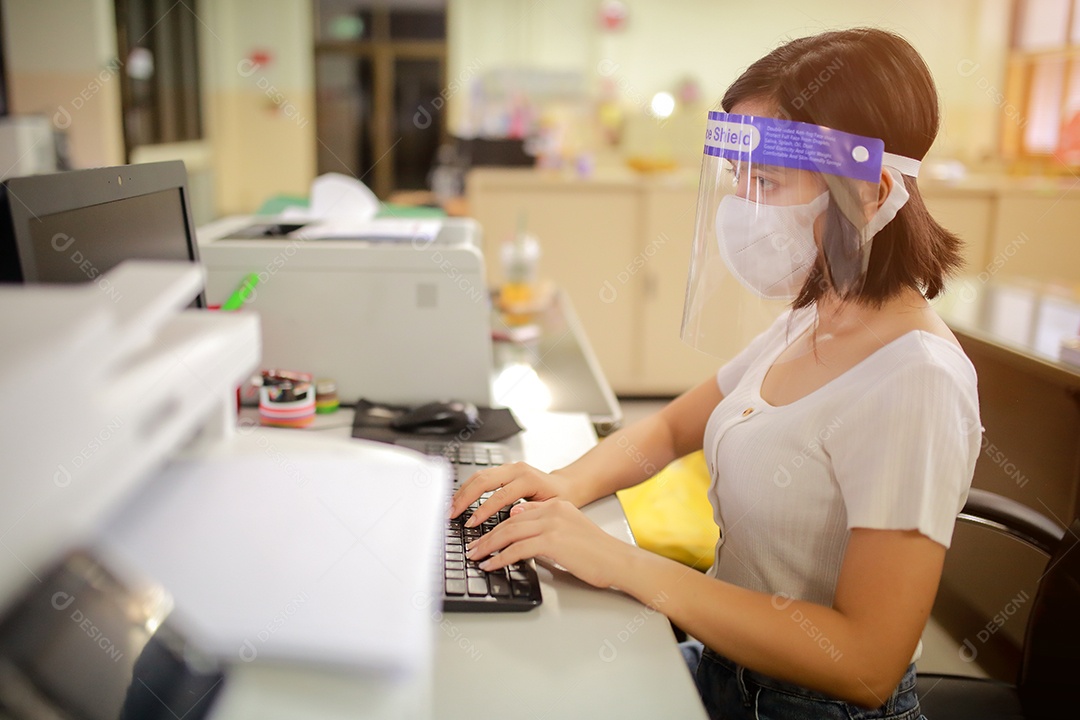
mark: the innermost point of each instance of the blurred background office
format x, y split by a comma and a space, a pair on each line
602, 101
265, 94
580, 122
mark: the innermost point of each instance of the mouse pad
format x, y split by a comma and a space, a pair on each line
372, 422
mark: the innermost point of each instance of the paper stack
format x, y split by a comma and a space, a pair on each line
289, 549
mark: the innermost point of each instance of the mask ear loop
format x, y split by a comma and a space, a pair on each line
896, 199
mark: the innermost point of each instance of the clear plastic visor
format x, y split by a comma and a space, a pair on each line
780, 204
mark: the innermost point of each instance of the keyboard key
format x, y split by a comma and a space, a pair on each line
467, 587
500, 586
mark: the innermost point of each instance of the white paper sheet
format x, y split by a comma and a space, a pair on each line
334, 195
278, 556
344, 208
419, 232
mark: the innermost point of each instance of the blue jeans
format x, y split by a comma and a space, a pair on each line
731, 691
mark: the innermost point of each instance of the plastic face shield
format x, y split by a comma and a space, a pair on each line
779, 202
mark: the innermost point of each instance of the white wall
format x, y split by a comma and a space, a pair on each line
715, 39
61, 63
261, 121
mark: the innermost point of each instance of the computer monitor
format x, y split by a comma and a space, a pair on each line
73, 227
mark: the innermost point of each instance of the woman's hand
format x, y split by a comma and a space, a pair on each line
509, 483
555, 530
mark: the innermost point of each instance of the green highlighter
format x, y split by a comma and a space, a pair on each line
238, 298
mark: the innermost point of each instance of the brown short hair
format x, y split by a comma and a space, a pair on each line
868, 82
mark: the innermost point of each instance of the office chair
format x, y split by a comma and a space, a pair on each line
1050, 662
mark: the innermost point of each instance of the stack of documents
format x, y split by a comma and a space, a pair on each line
275, 553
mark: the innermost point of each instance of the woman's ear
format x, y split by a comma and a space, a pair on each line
884, 188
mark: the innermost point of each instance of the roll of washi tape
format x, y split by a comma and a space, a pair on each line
286, 399
326, 397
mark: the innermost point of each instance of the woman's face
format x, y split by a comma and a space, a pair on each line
772, 184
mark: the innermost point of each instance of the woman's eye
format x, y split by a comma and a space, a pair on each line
764, 183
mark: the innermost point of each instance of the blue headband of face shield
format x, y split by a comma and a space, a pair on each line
801, 146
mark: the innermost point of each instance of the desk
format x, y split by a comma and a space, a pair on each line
584, 653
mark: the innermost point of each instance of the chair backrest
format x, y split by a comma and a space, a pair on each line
1013, 519
1050, 667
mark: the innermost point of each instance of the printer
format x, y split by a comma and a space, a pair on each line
389, 315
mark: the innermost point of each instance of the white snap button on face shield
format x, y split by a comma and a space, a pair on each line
776, 199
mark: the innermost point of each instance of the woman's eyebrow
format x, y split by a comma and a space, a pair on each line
772, 169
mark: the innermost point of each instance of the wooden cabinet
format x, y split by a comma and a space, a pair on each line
1023, 228
1035, 235
668, 365
969, 214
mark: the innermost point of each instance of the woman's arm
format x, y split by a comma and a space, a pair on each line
636, 453
856, 650
624, 458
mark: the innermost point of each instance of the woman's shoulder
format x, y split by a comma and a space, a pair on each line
924, 341
920, 359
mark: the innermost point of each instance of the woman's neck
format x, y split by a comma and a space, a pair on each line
836, 317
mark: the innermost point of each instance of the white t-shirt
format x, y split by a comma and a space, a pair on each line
889, 444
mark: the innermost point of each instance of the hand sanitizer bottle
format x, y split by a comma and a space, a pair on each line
517, 296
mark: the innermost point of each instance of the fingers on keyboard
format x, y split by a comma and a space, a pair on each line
479, 470
467, 586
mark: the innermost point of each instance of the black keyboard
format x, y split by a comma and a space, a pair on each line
466, 587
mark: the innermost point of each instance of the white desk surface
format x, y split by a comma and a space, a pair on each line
584, 653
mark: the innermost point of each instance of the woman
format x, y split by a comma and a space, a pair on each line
841, 441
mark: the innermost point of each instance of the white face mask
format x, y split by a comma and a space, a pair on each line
770, 248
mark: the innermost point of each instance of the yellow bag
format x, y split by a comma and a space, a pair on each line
670, 513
